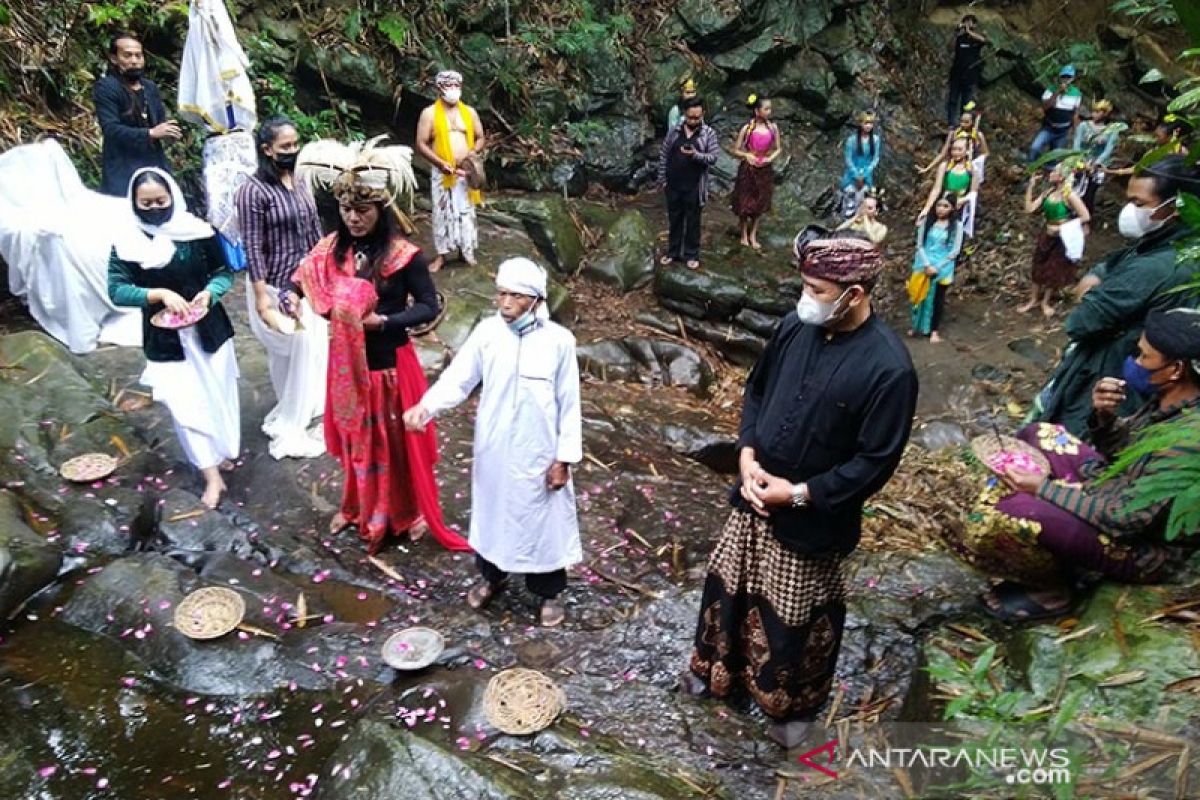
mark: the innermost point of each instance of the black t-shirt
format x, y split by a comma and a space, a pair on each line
683, 171
968, 56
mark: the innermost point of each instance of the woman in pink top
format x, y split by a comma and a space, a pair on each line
757, 146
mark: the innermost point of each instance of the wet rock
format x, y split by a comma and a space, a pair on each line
548, 223
729, 281
1029, 348
893, 598
745, 57
133, 601
27, 563
939, 435
625, 258
757, 322
739, 346
990, 374
191, 533
612, 148
650, 361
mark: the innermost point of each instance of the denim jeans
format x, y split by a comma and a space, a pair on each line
1048, 139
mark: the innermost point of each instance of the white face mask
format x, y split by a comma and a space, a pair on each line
1134, 221
813, 312
451, 94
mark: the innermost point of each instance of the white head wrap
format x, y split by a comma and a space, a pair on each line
448, 76
153, 246
525, 277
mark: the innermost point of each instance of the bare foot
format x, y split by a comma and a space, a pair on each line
757, 247
789, 734
552, 613
691, 684
212, 494
479, 595
934, 338
745, 243
226, 466
339, 523
417, 532
1047, 311
470, 260
912, 334
1025, 309
437, 263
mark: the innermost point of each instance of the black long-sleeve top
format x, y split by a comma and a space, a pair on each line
413, 280
834, 412
125, 119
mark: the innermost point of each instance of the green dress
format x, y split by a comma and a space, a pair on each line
957, 181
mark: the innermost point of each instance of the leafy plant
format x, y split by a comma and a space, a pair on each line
1086, 56
1155, 12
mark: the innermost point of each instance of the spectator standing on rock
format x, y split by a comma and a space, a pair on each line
687, 91
688, 152
757, 145
527, 435
448, 134
967, 67
1060, 112
1054, 266
133, 119
1120, 291
861, 153
1097, 138
939, 242
827, 413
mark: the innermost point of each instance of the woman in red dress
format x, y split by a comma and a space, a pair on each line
361, 279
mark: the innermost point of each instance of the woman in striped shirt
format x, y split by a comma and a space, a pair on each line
279, 224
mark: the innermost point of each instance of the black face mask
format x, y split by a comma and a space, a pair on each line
133, 74
154, 216
285, 161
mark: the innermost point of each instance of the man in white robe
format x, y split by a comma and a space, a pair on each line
527, 436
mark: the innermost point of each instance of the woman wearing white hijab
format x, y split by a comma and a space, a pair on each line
168, 258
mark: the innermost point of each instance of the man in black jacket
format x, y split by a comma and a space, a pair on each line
132, 117
688, 152
967, 67
827, 413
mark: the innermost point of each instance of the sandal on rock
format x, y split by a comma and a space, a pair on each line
693, 265
479, 595
552, 613
666, 261
1016, 604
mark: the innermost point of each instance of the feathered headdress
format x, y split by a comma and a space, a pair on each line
359, 172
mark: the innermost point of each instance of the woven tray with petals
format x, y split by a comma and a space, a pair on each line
209, 613
997, 453
522, 701
88, 467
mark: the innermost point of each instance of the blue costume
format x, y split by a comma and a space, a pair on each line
861, 165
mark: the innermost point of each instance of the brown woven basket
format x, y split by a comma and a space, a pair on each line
88, 467
209, 613
522, 701
988, 446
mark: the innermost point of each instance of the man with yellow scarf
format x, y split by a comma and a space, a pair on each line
448, 132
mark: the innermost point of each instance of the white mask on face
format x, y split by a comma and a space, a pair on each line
1134, 222
813, 312
451, 94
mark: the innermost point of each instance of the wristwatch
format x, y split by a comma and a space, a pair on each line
799, 495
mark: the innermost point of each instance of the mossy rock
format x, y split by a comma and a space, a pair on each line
547, 220
626, 256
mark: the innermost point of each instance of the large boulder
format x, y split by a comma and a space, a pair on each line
651, 361
625, 258
27, 562
547, 221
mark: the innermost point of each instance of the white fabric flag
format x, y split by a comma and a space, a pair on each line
213, 82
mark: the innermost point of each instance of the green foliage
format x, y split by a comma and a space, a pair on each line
1176, 473
1086, 56
395, 29
1154, 12
146, 13
275, 93
5, 15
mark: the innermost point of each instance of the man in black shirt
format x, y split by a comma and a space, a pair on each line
687, 153
826, 416
967, 67
132, 117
